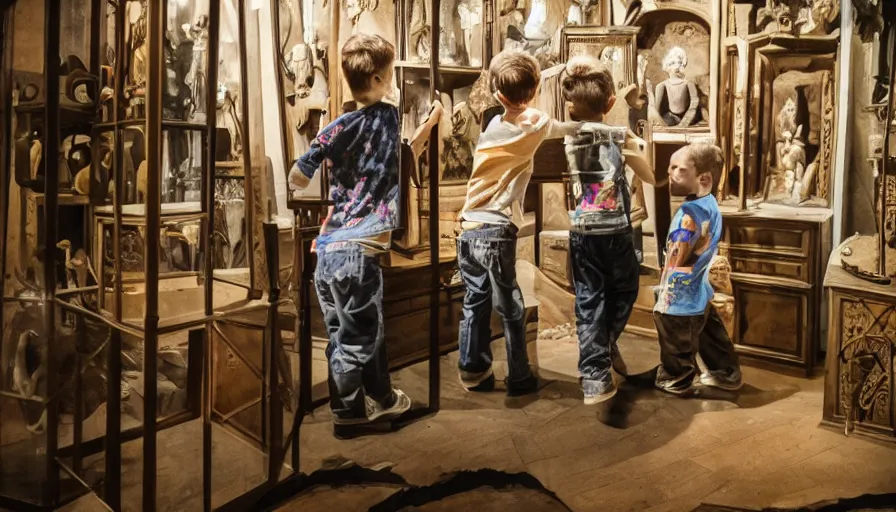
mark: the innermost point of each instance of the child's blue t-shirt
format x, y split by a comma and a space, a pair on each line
693, 242
361, 148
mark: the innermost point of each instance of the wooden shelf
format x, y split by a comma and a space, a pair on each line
443, 70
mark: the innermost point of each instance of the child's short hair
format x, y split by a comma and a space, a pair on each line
515, 74
588, 85
707, 158
363, 56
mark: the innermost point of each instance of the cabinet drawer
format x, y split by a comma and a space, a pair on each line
773, 322
770, 240
775, 267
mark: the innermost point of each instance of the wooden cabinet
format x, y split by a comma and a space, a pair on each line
858, 386
777, 258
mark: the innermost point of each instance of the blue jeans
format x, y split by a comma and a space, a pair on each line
487, 260
605, 273
349, 287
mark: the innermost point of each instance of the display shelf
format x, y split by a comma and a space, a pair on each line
443, 70
173, 210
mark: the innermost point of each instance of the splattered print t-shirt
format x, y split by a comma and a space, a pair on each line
693, 242
361, 149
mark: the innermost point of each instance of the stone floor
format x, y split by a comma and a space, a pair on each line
641, 451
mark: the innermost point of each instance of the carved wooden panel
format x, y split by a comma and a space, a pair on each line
889, 227
859, 380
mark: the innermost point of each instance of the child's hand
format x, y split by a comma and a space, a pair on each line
297, 179
314, 246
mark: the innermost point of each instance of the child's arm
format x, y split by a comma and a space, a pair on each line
421, 135
323, 227
633, 149
533, 121
304, 168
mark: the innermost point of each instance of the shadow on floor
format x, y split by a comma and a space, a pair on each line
864, 503
466, 481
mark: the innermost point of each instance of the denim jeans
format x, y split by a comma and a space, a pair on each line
683, 337
605, 275
487, 260
349, 287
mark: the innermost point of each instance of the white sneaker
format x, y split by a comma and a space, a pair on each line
401, 405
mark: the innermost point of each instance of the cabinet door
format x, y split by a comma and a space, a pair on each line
773, 321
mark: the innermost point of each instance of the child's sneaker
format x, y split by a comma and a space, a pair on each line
726, 380
400, 404
676, 386
482, 381
523, 387
596, 391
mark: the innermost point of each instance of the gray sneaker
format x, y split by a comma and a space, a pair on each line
725, 380
596, 391
482, 381
676, 386
400, 405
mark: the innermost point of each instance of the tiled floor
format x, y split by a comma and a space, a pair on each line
641, 451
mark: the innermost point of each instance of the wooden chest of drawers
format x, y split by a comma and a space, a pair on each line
778, 256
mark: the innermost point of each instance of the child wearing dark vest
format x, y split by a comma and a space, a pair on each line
603, 261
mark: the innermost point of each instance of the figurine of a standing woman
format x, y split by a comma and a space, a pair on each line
196, 77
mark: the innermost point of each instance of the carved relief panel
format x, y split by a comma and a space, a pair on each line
791, 17
889, 227
863, 365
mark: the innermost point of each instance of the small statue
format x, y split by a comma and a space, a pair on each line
135, 39
791, 148
579, 11
419, 32
227, 118
447, 38
196, 77
677, 100
536, 24
470, 12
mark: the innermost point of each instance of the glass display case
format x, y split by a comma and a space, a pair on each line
137, 361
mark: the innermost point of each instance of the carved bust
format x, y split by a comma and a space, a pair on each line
677, 99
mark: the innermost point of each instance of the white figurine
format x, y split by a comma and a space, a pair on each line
470, 12
536, 24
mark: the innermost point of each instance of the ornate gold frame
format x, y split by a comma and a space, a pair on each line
579, 40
